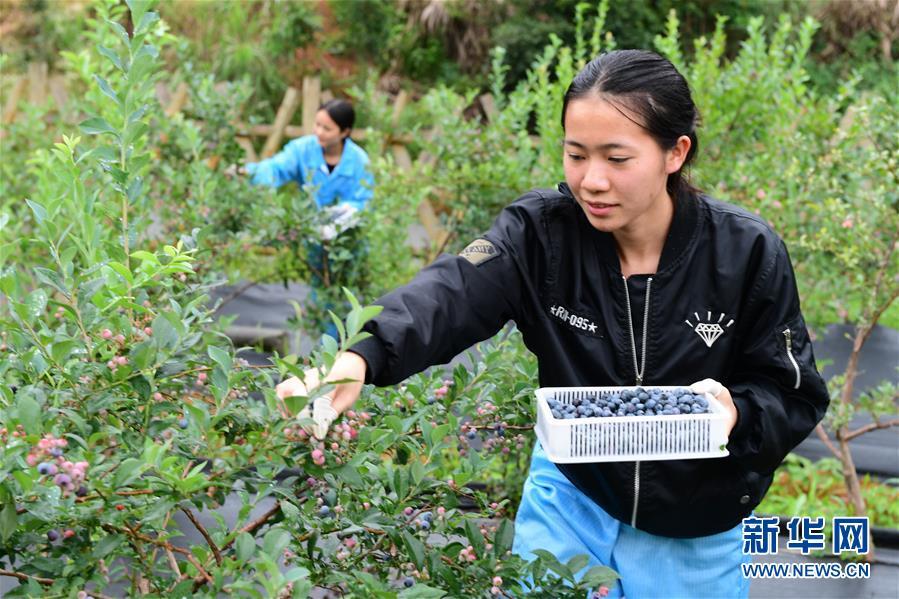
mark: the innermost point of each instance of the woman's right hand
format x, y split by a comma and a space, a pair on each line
348, 366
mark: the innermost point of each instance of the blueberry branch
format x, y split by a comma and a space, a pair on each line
26, 577
215, 550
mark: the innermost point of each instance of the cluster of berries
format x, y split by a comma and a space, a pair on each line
53, 534
636, 402
497, 583
469, 433
48, 456
467, 554
425, 519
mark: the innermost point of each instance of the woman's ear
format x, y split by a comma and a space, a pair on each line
676, 156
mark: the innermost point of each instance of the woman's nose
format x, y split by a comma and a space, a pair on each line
595, 178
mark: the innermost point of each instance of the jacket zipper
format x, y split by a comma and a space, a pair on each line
638, 372
789, 337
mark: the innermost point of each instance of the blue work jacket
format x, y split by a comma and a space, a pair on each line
302, 160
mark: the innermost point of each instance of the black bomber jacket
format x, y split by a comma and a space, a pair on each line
723, 304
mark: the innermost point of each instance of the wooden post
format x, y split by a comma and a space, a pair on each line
398, 105
426, 215
489, 106
312, 92
12, 101
249, 150
285, 113
37, 77
58, 91
179, 99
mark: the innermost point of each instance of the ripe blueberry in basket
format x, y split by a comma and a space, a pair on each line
637, 402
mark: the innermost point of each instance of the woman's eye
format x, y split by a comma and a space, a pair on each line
618, 159
575, 157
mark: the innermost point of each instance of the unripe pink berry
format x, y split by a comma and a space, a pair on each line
441, 510
497, 581
122, 360
106, 334
201, 377
120, 338
317, 453
494, 590
408, 511
334, 446
158, 396
148, 330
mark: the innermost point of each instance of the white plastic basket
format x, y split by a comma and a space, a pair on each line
627, 438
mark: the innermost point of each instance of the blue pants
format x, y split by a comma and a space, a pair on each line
554, 515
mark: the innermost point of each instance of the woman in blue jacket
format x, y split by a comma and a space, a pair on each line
331, 167
328, 163
623, 275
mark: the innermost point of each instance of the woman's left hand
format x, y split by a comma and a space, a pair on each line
721, 393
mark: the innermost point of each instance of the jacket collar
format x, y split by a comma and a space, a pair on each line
683, 231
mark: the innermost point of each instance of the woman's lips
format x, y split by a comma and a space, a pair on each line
599, 208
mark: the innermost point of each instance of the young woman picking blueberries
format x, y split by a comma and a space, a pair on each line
623, 275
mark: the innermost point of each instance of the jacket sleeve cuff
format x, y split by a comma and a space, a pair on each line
375, 356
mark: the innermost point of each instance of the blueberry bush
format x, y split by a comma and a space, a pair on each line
129, 423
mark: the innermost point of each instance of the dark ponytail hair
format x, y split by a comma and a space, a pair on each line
649, 87
341, 112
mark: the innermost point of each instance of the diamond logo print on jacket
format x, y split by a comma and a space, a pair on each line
707, 330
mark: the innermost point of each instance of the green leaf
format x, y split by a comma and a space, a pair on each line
349, 474
417, 470
107, 90
8, 520
164, 334
138, 8
127, 472
290, 511
123, 35
96, 126
554, 564
123, 271
475, 538
220, 357
143, 354
275, 541
36, 304
421, 591
578, 563
106, 545
51, 278
146, 21
245, 546
29, 414
145, 256
141, 386
40, 213
599, 575
112, 56
61, 351
505, 533
416, 549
